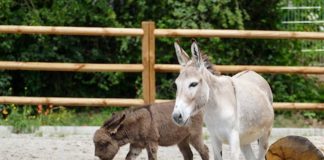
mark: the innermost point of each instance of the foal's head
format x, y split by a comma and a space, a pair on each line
192, 89
106, 146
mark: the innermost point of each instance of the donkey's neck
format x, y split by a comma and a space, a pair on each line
123, 137
136, 127
221, 92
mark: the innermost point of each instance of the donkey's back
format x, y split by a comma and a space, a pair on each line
256, 79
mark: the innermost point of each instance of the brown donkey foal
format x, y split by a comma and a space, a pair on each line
148, 127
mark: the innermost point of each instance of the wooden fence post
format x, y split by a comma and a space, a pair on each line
152, 61
148, 60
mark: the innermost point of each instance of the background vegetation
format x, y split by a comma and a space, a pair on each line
218, 14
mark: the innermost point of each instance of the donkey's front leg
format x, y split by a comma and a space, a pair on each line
217, 147
234, 142
152, 148
134, 151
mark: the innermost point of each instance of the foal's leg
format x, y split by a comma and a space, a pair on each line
247, 152
263, 145
185, 149
217, 147
151, 149
134, 151
234, 142
198, 143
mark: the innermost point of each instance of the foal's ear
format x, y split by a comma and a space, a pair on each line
114, 123
182, 56
196, 55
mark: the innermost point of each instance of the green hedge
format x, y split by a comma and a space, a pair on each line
218, 14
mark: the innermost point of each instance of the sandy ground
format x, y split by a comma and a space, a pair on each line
80, 147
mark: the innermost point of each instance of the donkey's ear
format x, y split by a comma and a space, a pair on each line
196, 55
182, 56
114, 123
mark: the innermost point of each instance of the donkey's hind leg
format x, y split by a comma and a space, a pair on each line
185, 149
263, 145
247, 152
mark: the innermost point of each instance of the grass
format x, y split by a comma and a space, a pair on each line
299, 119
26, 119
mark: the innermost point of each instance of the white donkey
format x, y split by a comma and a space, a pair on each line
238, 109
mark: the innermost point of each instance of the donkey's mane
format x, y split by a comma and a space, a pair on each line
209, 65
134, 109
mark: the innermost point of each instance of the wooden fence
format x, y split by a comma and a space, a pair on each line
148, 33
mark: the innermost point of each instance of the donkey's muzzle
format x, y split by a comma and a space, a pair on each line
178, 118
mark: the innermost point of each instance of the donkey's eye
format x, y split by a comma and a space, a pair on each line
193, 84
103, 144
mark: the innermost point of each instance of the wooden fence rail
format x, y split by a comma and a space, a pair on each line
238, 68
77, 31
124, 102
64, 101
88, 67
102, 31
238, 34
70, 67
148, 33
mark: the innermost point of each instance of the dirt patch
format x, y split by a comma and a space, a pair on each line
62, 147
